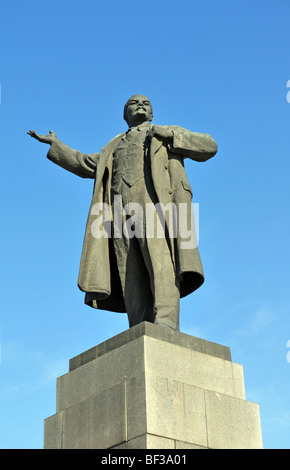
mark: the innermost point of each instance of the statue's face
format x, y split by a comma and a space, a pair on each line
139, 110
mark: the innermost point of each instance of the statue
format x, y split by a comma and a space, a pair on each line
128, 264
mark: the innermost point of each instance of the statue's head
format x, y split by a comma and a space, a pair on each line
138, 109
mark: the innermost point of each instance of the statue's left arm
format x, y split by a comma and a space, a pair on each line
199, 147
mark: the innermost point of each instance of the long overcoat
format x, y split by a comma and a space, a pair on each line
98, 274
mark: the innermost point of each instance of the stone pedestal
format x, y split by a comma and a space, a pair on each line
153, 388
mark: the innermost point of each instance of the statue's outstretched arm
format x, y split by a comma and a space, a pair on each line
72, 160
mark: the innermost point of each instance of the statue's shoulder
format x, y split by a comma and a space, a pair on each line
117, 137
110, 145
173, 127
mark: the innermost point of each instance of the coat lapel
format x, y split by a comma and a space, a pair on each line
155, 146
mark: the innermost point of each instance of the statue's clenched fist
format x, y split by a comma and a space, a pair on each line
161, 132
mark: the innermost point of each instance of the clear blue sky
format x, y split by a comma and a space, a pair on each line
215, 67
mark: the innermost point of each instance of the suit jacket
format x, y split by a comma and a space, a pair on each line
98, 275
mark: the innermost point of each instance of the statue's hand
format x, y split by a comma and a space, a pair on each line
161, 132
46, 139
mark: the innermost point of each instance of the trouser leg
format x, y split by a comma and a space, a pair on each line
150, 289
135, 281
164, 285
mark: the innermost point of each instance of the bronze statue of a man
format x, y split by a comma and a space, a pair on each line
137, 270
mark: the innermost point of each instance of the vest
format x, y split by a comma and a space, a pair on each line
131, 160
